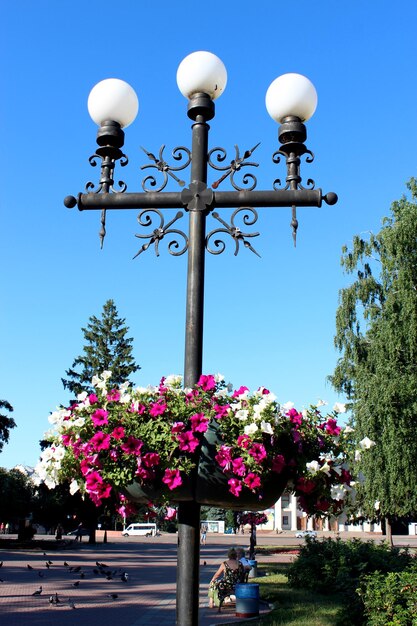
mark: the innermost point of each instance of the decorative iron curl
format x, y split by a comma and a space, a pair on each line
145, 218
106, 183
249, 180
149, 182
234, 231
293, 180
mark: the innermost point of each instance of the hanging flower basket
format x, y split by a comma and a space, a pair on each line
224, 448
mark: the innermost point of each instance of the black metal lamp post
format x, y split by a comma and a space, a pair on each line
291, 99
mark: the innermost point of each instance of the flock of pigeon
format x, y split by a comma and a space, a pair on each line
80, 573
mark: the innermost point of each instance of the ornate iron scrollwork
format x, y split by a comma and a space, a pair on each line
234, 231
145, 219
293, 179
249, 180
166, 170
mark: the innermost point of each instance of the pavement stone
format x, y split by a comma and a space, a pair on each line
85, 592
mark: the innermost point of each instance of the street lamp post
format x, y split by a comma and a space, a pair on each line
291, 99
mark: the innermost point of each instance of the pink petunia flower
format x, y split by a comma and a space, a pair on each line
66, 440
118, 432
171, 513
244, 441
187, 441
100, 441
240, 392
206, 382
157, 408
235, 486
92, 398
296, 418
238, 466
172, 478
224, 457
252, 481
199, 423
278, 463
150, 459
258, 452
332, 428
100, 417
113, 395
221, 410
177, 427
132, 445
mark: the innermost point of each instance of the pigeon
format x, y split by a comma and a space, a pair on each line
113, 596
76, 584
37, 592
29, 566
47, 564
66, 564
71, 603
50, 562
1, 563
124, 577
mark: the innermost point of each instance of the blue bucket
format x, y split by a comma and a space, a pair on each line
247, 600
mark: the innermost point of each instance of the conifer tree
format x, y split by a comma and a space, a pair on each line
107, 347
376, 333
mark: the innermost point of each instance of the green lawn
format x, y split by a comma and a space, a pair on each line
293, 607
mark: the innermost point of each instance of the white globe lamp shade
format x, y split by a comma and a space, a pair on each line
291, 94
201, 72
113, 99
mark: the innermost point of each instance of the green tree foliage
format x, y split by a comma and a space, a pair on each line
6, 422
16, 495
376, 334
107, 348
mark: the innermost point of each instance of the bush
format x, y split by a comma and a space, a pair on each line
390, 599
331, 566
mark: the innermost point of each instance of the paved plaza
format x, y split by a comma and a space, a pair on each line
121, 582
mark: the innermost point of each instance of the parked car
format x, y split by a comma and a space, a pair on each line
302, 534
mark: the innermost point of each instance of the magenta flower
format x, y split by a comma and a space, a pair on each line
144, 473
278, 463
132, 445
224, 457
100, 417
157, 408
240, 392
244, 441
150, 459
295, 417
235, 486
332, 428
258, 452
199, 423
252, 481
100, 441
93, 481
92, 398
113, 395
238, 466
206, 382
172, 478
118, 432
187, 441
177, 427
171, 513
66, 440
221, 410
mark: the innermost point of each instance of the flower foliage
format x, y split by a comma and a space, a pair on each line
153, 435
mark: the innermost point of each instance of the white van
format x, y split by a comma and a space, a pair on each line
147, 530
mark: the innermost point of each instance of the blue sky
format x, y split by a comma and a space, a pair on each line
268, 321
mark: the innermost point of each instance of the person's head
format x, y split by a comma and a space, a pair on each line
240, 552
231, 553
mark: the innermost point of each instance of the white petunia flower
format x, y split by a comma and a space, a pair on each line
321, 403
106, 374
250, 429
349, 429
266, 427
313, 467
339, 407
287, 406
377, 505
366, 443
338, 492
173, 380
242, 414
82, 396
125, 398
74, 487
219, 378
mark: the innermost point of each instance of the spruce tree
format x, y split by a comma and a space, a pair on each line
376, 333
107, 347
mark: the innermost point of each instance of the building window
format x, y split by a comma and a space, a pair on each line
285, 500
285, 521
